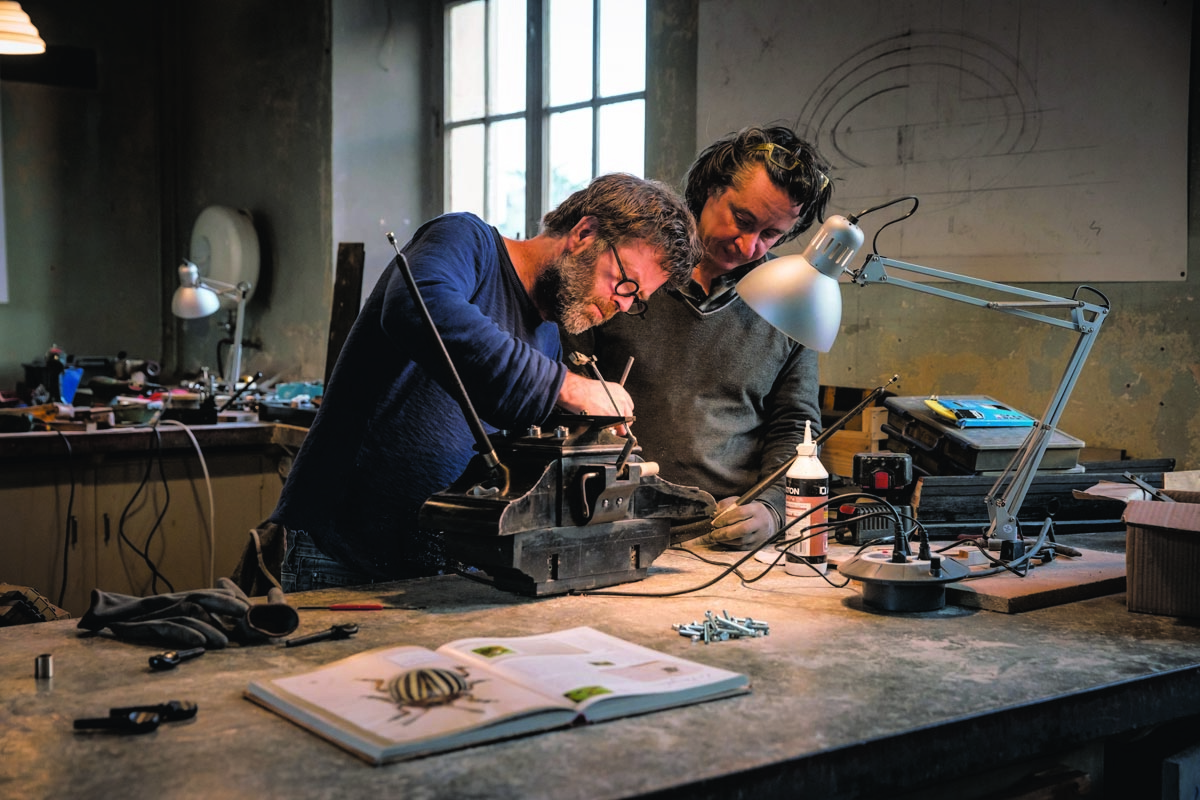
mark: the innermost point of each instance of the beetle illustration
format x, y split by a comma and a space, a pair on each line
425, 688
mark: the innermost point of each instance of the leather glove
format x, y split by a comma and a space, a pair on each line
179, 620
259, 622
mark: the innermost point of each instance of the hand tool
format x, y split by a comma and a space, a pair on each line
133, 722
172, 658
342, 631
357, 607
170, 711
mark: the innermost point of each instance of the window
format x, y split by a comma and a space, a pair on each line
510, 159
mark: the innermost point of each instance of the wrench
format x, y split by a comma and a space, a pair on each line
341, 631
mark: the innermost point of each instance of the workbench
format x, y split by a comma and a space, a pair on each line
846, 702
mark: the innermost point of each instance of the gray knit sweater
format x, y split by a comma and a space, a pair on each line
720, 395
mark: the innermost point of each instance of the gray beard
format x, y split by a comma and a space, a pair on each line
566, 289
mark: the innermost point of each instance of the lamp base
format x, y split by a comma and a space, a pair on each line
911, 585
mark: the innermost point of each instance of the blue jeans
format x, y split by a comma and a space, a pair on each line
305, 567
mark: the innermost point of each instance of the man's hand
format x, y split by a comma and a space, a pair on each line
744, 527
579, 395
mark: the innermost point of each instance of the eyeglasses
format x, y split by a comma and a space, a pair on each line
628, 287
786, 161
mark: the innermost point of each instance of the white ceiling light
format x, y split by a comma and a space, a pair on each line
18, 36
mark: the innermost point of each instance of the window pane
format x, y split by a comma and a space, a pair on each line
506, 177
569, 42
465, 47
622, 46
570, 150
622, 138
506, 78
465, 164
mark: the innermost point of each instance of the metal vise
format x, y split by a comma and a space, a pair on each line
561, 513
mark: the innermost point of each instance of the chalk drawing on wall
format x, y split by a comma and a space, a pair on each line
953, 97
1047, 142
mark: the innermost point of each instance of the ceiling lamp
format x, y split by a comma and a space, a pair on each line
18, 36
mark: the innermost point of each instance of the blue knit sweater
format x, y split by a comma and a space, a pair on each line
388, 435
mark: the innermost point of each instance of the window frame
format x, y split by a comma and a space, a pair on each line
538, 112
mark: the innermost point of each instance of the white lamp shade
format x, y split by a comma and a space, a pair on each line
800, 295
18, 36
797, 299
194, 302
193, 299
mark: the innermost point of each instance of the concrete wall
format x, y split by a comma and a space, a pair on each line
382, 126
252, 129
193, 104
82, 194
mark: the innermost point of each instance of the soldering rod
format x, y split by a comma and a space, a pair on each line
762, 485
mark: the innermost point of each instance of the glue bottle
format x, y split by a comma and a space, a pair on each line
807, 485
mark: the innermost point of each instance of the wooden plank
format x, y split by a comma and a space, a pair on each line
347, 292
1063, 580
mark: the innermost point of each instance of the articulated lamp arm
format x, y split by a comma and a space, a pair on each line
1007, 494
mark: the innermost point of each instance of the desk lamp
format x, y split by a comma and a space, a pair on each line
800, 295
199, 297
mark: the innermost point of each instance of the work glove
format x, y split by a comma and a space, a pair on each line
743, 527
179, 620
259, 622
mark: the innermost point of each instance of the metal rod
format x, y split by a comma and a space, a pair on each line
766, 482
483, 444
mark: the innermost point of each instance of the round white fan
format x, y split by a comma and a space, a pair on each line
225, 248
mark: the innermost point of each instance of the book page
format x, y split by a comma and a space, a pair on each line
364, 702
589, 668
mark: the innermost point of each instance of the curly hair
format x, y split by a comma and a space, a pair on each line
630, 208
726, 162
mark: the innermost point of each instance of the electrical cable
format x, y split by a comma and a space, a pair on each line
144, 553
212, 507
732, 569
62, 589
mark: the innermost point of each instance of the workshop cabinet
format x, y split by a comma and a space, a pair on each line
39, 528
166, 517
130, 507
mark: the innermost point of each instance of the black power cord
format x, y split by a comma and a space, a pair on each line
62, 589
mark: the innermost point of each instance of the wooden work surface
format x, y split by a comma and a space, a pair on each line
845, 702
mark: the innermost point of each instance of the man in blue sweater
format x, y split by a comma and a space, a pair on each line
722, 395
388, 435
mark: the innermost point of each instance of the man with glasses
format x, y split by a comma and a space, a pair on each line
388, 434
722, 395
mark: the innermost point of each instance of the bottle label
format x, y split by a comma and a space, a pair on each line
801, 495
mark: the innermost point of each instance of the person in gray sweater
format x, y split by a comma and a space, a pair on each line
722, 396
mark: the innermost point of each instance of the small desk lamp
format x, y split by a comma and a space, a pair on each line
800, 295
199, 297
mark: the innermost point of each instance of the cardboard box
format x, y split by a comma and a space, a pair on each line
1162, 555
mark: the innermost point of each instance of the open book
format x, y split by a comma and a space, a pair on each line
399, 702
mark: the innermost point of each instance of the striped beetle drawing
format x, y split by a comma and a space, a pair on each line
425, 688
